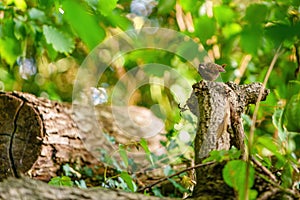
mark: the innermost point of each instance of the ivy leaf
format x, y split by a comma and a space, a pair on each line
58, 40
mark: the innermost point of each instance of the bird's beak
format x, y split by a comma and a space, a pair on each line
222, 69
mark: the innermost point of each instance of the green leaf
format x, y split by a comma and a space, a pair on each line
83, 23
157, 192
277, 122
269, 144
230, 30
107, 6
205, 28
224, 14
81, 184
251, 39
88, 171
20, 30
37, 14
187, 5
123, 154
51, 52
234, 175
67, 170
58, 40
20, 4
117, 20
128, 180
253, 195
9, 50
178, 186
165, 6
144, 145
61, 181
168, 170
287, 175
256, 13
7, 28
279, 32
221, 155
55, 181
292, 113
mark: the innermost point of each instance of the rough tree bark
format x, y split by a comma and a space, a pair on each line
26, 188
37, 136
219, 107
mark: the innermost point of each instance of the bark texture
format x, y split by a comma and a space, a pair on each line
37, 136
219, 107
26, 188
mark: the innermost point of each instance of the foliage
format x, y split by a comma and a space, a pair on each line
61, 181
222, 155
42, 44
234, 175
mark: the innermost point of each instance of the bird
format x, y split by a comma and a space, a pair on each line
210, 71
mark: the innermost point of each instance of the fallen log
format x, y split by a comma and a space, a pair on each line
37, 136
26, 188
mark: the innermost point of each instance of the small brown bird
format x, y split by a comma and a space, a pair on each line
210, 71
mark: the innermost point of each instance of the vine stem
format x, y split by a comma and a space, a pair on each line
254, 117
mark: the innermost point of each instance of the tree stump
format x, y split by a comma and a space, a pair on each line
219, 107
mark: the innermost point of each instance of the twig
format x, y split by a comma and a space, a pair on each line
298, 60
176, 174
264, 169
285, 190
252, 128
266, 195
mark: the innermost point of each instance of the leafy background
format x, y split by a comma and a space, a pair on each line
43, 43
